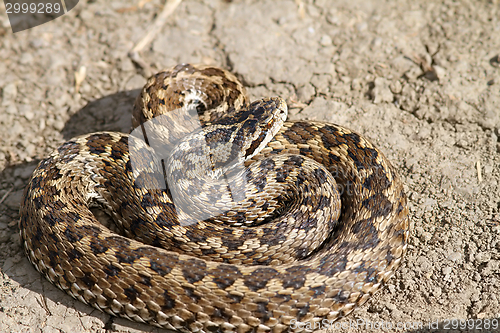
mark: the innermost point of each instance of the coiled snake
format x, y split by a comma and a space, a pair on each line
291, 249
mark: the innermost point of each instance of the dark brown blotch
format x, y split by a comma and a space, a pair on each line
258, 279
224, 275
209, 71
260, 182
192, 294
221, 314
282, 175
294, 277
320, 174
88, 280
236, 298
158, 266
127, 257
333, 159
303, 312
131, 293
334, 263
111, 270
74, 254
145, 280
194, 270
353, 138
319, 291
366, 231
357, 163
71, 235
378, 205
262, 312
305, 130
167, 302
323, 202
97, 143
399, 209
68, 151
331, 136
119, 148
52, 220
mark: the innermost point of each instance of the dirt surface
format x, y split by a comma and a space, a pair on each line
421, 79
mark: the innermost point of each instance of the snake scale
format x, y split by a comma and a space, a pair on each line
312, 225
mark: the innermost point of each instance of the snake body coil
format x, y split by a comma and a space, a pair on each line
291, 248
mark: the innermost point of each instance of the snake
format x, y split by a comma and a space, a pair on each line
226, 217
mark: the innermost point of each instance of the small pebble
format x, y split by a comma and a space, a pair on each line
424, 133
11, 109
381, 92
488, 169
440, 72
325, 40
454, 256
58, 125
26, 59
376, 42
25, 110
396, 87
426, 236
30, 149
9, 92
37, 43
483, 257
446, 270
362, 26
391, 306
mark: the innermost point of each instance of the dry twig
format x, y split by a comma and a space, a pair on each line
158, 23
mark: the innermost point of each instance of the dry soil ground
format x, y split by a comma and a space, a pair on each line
420, 78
